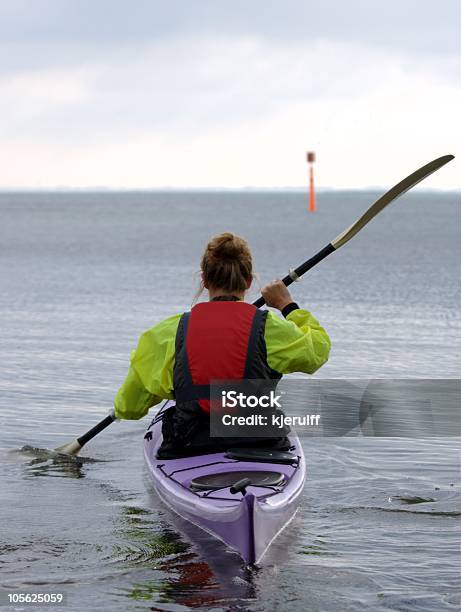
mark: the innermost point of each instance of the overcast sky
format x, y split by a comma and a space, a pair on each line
231, 93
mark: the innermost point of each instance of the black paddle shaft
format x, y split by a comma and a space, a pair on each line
89, 435
302, 269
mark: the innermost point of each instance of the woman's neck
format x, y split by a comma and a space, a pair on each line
215, 293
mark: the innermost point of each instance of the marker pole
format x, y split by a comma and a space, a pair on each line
310, 161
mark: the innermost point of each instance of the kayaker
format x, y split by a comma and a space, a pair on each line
224, 338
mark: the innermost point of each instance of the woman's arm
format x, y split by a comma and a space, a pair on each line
150, 376
296, 344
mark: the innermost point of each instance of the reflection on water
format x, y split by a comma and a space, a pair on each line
181, 575
144, 543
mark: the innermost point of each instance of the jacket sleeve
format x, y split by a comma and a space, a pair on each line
297, 343
150, 376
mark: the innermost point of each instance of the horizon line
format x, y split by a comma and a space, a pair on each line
301, 190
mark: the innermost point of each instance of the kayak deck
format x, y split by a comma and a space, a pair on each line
247, 520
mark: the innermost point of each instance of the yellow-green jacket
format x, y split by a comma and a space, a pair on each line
295, 344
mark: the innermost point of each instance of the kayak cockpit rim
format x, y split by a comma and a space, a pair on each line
208, 494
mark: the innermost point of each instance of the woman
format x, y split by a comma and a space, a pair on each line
222, 339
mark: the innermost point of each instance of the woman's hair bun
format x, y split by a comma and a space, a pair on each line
227, 263
226, 246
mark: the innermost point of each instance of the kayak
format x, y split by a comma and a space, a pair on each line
244, 497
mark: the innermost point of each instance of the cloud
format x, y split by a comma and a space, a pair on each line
185, 85
33, 95
206, 96
417, 25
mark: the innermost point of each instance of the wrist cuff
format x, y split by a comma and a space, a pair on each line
289, 308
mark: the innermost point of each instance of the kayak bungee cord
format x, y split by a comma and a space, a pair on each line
74, 447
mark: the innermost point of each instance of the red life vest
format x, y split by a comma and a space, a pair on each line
218, 340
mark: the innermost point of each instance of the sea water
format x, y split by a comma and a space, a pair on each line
83, 274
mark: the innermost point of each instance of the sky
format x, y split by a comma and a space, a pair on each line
215, 93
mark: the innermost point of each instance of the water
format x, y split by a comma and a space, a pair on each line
83, 274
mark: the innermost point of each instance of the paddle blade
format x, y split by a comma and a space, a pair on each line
72, 448
394, 193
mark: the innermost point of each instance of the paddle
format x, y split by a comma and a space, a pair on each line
74, 447
391, 195
413, 179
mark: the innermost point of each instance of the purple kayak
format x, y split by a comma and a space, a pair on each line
244, 497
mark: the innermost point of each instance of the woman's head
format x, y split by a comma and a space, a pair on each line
227, 264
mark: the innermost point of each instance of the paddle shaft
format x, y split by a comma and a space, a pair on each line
300, 270
89, 435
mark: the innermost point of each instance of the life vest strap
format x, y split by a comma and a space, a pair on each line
255, 326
